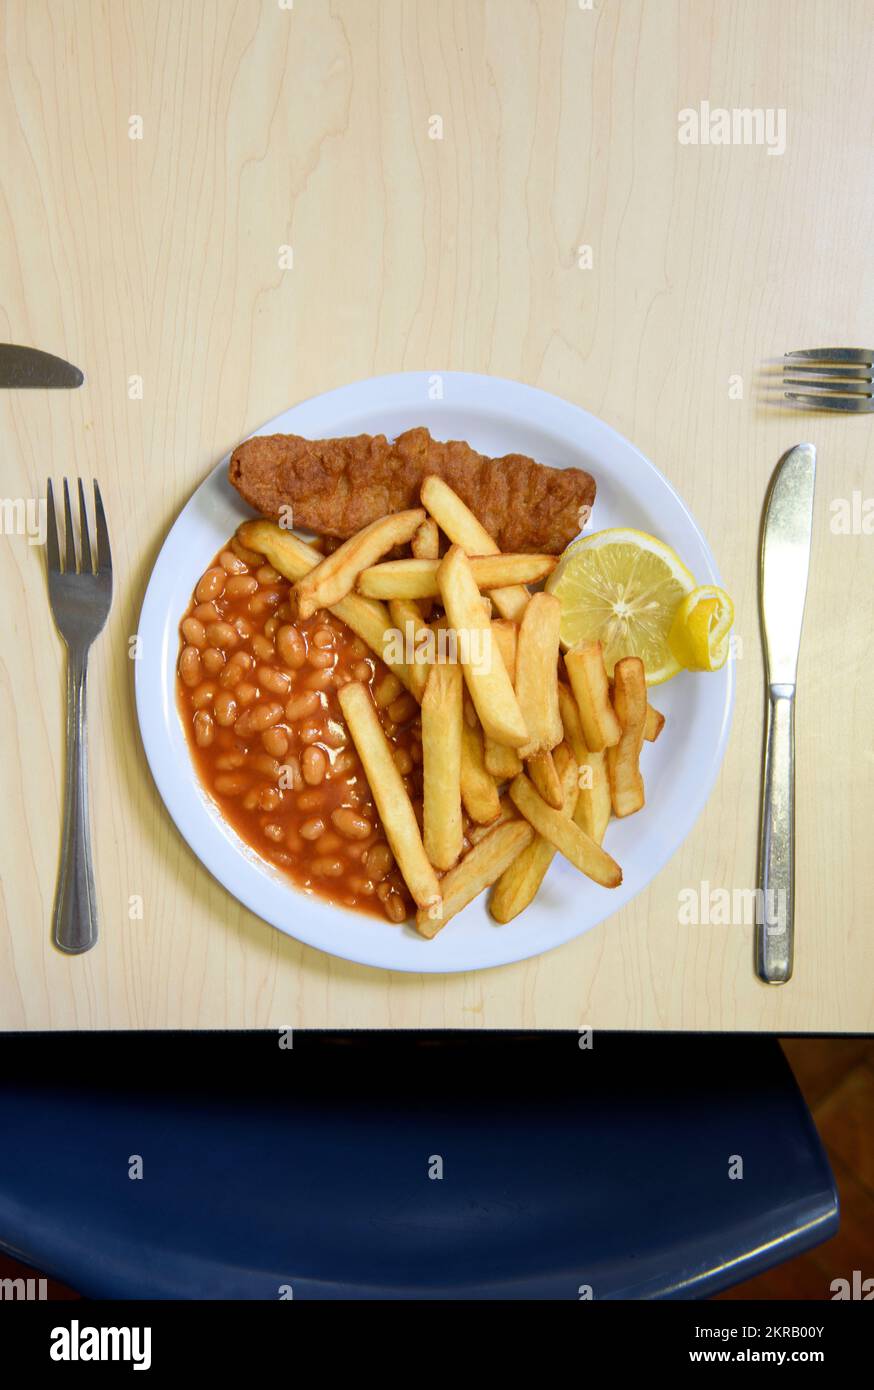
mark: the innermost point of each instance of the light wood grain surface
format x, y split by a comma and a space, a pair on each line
310, 127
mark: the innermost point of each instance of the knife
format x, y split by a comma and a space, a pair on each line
785, 560
28, 367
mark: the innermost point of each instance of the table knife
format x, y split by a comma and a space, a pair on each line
29, 368
785, 560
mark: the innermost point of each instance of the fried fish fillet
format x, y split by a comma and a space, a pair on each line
333, 487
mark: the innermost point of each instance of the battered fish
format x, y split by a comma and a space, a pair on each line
335, 486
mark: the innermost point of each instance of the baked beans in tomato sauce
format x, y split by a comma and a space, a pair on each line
258, 698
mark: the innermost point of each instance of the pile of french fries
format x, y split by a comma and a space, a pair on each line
535, 750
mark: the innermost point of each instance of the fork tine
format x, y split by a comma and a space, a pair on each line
858, 405
70, 565
53, 554
863, 355
844, 388
104, 554
842, 373
87, 561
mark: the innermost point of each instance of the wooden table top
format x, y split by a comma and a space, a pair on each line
155, 262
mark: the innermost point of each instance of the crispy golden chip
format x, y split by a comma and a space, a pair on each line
588, 678
594, 804
518, 884
562, 832
442, 721
388, 790
479, 832
425, 544
503, 762
542, 771
478, 791
417, 578
293, 558
407, 618
623, 760
462, 528
478, 869
484, 669
536, 680
335, 576
655, 722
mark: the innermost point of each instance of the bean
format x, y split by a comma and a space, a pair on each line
274, 832
364, 887
344, 763
311, 829
312, 764
277, 682
275, 742
389, 689
205, 613
284, 613
379, 860
310, 732
402, 709
210, 585
285, 860
259, 603
222, 635
250, 800
293, 840
335, 734
242, 628
190, 666
225, 709
256, 720
361, 671
231, 783
323, 867
213, 661
246, 693
233, 672
291, 647
251, 557
310, 801
393, 906
269, 798
204, 729
270, 626
301, 705
329, 842
321, 659
203, 695
267, 766
403, 761
416, 752
323, 637
319, 680
351, 824
267, 575
194, 632
290, 775
231, 563
229, 762
357, 647
241, 586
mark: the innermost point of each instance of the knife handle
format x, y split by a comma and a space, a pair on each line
775, 916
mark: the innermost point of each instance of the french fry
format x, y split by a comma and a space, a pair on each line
461, 526
567, 837
655, 722
388, 790
519, 883
588, 678
623, 766
594, 804
484, 670
442, 720
478, 791
541, 769
479, 832
293, 559
417, 578
503, 762
476, 871
425, 544
335, 576
402, 613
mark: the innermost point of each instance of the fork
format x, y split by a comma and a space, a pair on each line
845, 372
80, 597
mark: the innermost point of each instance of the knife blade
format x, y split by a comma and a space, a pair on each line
787, 528
29, 368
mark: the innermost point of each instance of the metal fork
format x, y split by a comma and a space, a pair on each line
80, 596
846, 373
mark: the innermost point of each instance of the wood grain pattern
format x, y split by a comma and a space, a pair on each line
309, 127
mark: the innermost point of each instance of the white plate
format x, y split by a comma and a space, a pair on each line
496, 417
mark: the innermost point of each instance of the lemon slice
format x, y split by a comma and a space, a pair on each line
698, 638
622, 587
